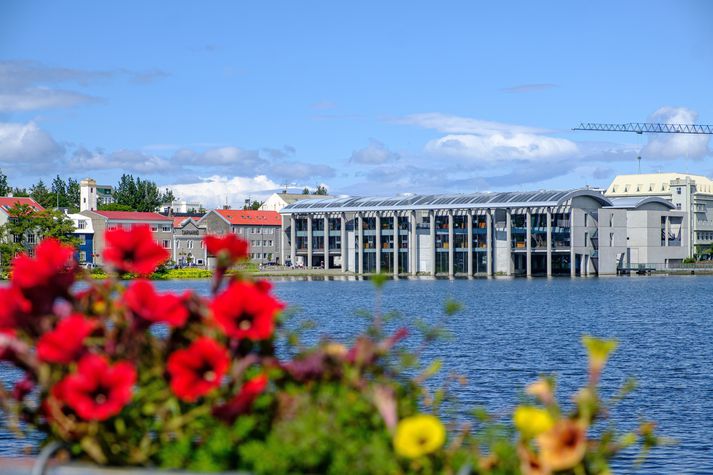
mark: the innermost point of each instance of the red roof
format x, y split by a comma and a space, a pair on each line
6, 203
179, 220
133, 215
250, 217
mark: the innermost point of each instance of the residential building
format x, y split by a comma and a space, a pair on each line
277, 201
161, 226
84, 232
508, 233
31, 239
260, 228
692, 194
92, 195
181, 207
188, 246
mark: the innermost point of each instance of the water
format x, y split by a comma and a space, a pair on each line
511, 331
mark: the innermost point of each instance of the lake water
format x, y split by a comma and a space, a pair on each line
512, 330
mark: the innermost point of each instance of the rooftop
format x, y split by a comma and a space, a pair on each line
9, 202
250, 217
513, 199
132, 216
654, 183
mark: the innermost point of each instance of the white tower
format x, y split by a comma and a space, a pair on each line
88, 195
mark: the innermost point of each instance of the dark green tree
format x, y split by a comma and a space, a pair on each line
73, 194
305, 191
148, 197
125, 193
167, 197
4, 188
20, 192
321, 190
115, 207
42, 195
59, 192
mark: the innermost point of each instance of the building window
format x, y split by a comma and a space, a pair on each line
111, 227
189, 245
678, 191
82, 239
199, 262
154, 228
17, 238
611, 239
30, 238
586, 238
202, 245
166, 228
82, 256
678, 205
166, 244
81, 224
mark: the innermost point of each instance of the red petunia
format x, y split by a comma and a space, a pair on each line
98, 390
13, 306
134, 250
46, 276
244, 310
65, 343
242, 402
228, 249
198, 369
143, 301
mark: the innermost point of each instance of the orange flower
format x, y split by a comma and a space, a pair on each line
563, 446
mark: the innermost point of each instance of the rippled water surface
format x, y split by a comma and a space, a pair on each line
510, 331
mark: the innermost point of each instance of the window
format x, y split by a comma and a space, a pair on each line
17, 238
586, 218
586, 238
166, 244
611, 220
199, 262
178, 244
678, 205
111, 227
154, 228
611, 239
81, 224
202, 245
678, 190
189, 245
166, 228
126, 226
82, 239
30, 238
82, 256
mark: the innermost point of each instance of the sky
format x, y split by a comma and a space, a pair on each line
221, 101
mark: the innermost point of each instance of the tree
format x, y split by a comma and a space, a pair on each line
167, 197
148, 198
42, 195
114, 207
305, 191
73, 194
59, 192
20, 192
4, 188
125, 192
321, 190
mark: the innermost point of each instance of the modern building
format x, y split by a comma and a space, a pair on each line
509, 233
277, 201
260, 228
188, 247
30, 239
181, 207
161, 226
84, 231
92, 195
692, 194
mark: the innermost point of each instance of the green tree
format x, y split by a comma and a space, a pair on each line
321, 190
20, 192
73, 194
115, 207
42, 195
167, 197
4, 188
148, 197
59, 192
305, 191
125, 193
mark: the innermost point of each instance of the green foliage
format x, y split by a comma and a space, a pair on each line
4, 187
305, 191
321, 190
167, 197
42, 195
138, 194
114, 207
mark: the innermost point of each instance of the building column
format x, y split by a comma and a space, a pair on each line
572, 254
343, 241
489, 242
508, 237
326, 242
396, 245
432, 216
309, 241
413, 244
378, 242
293, 239
549, 242
528, 243
360, 248
583, 265
451, 247
469, 230
667, 229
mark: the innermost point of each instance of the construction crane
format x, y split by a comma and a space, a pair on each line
647, 128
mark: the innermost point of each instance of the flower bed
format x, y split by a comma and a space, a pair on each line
210, 394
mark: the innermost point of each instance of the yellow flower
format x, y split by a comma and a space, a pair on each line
532, 421
598, 351
542, 389
419, 435
563, 446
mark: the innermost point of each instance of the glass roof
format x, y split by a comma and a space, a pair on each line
472, 200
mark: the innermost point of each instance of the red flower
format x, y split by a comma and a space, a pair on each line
46, 276
198, 369
98, 390
245, 311
228, 249
13, 306
242, 402
65, 343
143, 301
134, 250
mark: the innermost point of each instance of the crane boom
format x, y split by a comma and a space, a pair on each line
648, 127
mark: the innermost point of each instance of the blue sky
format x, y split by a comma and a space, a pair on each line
221, 100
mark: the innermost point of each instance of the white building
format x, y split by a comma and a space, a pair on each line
181, 207
277, 201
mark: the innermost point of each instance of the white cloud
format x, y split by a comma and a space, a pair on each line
672, 146
26, 144
215, 191
125, 160
376, 153
499, 147
452, 124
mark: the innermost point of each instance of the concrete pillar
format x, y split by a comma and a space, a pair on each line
549, 242
378, 242
413, 245
508, 237
360, 248
396, 245
451, 246
293, 239
326, 242
469, 230
309, 241
343, 241
667, 229
489, 241
528, 242
583, 264
572, 254
432, 216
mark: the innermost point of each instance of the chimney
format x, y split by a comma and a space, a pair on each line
10, 195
